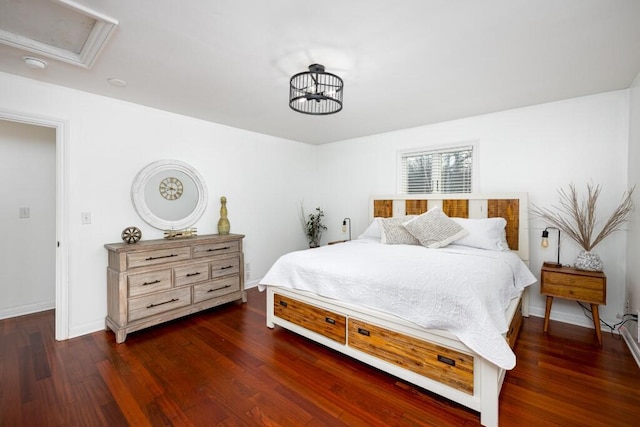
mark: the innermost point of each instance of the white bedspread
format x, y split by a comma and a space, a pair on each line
460, 289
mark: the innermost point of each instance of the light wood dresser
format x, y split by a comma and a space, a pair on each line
153, 281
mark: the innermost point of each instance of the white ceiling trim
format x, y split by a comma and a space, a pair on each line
101, 31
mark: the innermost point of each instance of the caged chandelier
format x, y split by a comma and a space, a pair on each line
316, 92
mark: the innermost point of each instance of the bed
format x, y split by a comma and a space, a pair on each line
382, 302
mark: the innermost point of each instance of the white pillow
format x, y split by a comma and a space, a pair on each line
486, 233
373, 231
434, 229
393, 233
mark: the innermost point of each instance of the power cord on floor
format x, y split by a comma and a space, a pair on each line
628, 317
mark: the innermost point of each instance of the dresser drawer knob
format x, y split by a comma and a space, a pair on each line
151, 283
162, 303
446, 360
226, 268
151, 258
219, 249
193, 274
217, 289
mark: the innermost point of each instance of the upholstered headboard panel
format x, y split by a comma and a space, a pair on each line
513, 207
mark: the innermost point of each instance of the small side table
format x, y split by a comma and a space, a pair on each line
570, 283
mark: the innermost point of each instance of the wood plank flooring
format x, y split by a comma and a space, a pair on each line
224, 367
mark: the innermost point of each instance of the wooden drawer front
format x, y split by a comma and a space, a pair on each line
144, 283
583, 288
191, 274
216, 288
212, 249
449, 367
225, 266
158, 303
514, 327
323, 322
160, 256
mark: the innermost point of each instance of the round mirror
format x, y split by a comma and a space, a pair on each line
169, 195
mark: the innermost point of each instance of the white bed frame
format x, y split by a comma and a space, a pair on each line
487, 377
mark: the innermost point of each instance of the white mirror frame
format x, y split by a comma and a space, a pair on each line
140, 204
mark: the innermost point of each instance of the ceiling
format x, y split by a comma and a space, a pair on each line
404, 63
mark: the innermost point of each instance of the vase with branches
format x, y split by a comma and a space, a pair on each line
576, 217
314, 227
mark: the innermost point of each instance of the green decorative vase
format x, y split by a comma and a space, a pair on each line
223, 222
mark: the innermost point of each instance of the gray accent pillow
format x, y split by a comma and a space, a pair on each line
393, 233
434, 229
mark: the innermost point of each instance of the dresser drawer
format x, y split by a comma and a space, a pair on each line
215, 288
144, 283
583, 288
191, 274
225, 266
158, 303
323, 322
447, 366
212, 249
159, 256
514, 327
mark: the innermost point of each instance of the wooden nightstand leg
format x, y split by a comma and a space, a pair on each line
547, 312
596, 322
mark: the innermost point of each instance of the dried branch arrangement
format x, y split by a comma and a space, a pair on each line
577, 218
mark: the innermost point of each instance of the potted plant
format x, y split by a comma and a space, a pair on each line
314, 228
577, 219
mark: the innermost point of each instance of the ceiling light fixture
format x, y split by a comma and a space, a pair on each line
316, 92
34, 63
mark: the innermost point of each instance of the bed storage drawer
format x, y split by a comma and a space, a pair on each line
449, 367
514, 327
323, 322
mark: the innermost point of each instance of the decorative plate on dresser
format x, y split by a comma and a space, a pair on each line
154, 281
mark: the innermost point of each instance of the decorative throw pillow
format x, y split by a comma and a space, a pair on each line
484, 233
393, 233
434, 229
373, 230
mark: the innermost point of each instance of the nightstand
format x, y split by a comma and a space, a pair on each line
569, 283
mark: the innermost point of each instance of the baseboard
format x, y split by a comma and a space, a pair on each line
572, 319
87, 328
27, 309
631, 343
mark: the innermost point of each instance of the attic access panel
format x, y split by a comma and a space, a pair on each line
58, 29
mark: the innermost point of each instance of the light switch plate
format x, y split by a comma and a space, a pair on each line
24, 213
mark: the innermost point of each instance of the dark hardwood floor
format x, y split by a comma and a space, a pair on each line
224, 367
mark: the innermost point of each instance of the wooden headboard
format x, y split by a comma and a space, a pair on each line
513, 207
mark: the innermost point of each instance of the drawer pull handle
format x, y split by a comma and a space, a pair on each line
151, 258
364, 332
219, 249
330, 320
193, 274
217, 289
151, 283
162, 303
446, 360
226, 268
283, 303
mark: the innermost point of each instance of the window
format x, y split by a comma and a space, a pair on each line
445, 170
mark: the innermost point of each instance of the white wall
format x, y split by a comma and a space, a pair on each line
109, 141
537, 149
633, 245
27, 247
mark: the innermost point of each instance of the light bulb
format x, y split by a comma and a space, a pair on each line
545, 242
344, 228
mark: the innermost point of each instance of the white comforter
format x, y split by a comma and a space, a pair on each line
460, 289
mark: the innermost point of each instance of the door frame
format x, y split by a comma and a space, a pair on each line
62, 254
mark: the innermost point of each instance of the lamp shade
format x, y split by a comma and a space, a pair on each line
316, 92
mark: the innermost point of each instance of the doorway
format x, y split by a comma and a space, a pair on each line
27, 217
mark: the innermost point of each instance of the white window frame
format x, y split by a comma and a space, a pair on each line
436, 149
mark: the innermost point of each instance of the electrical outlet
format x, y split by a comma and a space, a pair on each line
247, 270
24, 213
85, 217
627, 307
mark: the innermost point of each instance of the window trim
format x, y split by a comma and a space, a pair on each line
434, 148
